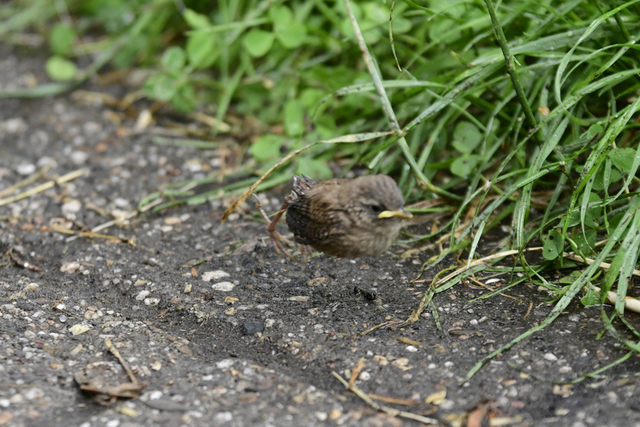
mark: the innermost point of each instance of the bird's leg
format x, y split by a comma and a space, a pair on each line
271, 227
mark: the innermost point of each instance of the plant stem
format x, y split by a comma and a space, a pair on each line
510, 63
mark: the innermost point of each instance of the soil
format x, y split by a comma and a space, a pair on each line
218, 330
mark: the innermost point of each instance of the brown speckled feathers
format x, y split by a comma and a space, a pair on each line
346, 217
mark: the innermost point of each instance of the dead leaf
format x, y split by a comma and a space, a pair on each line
436, 398
186, 350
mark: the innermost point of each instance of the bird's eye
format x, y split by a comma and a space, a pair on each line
376, 209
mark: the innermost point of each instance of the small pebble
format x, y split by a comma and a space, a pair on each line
26, 168
209, 276
71, 207
250, 327
154, 395
120, 202
33, 393
225, 363
14, 125
78, 329
79, 157
142, 295
222, 417
223, 286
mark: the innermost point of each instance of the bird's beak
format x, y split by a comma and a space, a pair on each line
401, 213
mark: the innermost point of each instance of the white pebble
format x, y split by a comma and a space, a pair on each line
142, 295
79, 157
154, 395
550, 357
208, 276
33, 393
26, 169
222, 417
69, 267
225, 363
78, 329
120, 202
72, 206
446, 404
223, 286
151, 301
14, 125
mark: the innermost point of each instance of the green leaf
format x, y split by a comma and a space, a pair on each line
293, 118
201, 49
591, 297
184, 99
293, 36
440, 30
376, 13
371, 36
586, 244
258, 42
174, 59
622, 158
464, 165
281, 16
160, 87
598, 181
61, 39
267, 147
553, 245
315, 168
401, 25
593, 131
195, 19
466, 137
572, 277
589, 220
60, 69
615, 221
311, 97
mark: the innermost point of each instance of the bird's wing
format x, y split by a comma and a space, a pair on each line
314, 218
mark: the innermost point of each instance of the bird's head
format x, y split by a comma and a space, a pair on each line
377, 202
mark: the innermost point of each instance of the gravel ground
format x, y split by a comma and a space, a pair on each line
216, 329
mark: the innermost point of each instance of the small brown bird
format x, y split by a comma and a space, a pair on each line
347, 218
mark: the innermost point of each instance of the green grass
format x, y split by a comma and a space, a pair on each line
519, 112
